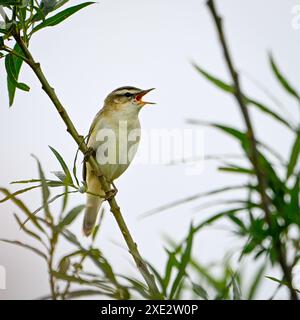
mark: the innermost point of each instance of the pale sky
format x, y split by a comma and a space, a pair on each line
145, 44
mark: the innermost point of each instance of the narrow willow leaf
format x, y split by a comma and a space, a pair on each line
61, 16
192, 198
138, 287
76, 279
50, 183
217, 82
183, 263
256, 282
87, 292
200, 291
9, 195
236, 289
282, 80
294, 156
284, 283
27, 246
26, 230
20, 204
45, 190
97, 228
49, 202
63, 165
218, 216
64, 265
292, 209
204, 272
71, 216
13, 66
102, 264
172, 264
268, 111
11, 2
68, 235
230, 89
156, 274
237, 169
60, 175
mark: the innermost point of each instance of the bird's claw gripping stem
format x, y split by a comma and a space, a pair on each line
90, 152
110, 194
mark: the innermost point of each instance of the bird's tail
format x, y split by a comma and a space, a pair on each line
92, 208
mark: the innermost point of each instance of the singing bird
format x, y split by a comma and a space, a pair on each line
113, 138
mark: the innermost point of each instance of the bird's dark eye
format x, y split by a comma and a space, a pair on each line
127, 94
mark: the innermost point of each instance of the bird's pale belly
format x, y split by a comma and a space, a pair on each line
115, 154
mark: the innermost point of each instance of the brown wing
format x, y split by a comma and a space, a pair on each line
87, 141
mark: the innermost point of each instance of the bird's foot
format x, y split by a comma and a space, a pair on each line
110, 194
90, 152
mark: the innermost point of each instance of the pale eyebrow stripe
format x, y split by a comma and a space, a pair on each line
124, 90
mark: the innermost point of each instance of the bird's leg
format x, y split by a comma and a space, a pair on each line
112, 192
90, 152
115, 188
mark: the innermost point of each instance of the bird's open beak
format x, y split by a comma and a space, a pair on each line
140, 95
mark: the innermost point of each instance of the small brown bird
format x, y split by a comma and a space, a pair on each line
114, 137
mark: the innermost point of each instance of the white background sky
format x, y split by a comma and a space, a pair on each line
145, 44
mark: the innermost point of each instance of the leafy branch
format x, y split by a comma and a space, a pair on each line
19, 54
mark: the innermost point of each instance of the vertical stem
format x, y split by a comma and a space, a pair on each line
253, 152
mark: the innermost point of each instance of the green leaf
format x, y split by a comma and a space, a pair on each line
97, 227
68, 235
13, 66
71, 216
6, 3
192, 198
61, 16
45, 190
64, 265
236, 169
183, 263
27, 246
49, 202
292, 209
284, 283
205, 272
50, 183
230, 89
77, 279
20, 204
270, 112
63, 165
87, 292
218, 216
217, 82
294, 156
156, 274
282, 80
171, 264
138, 286
26, 230
200, 291
236, 289
10, 196
102, 264
256, 282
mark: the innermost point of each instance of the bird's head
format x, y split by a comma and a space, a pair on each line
127, 98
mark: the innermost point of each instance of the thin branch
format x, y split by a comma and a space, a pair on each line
114, 208
13, 52
253, 152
